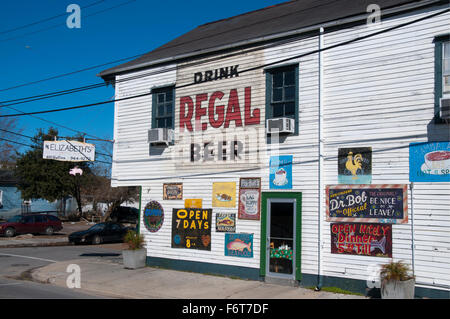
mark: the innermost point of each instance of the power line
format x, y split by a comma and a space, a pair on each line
46, 19
63, 24
246, 70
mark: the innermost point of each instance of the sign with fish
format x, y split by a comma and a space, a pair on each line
191, 228
225, 222
224, 194
239, 245
362, 239
429, 162
249, 198
153, 216
280, 172
367, 203
355, 165
172, 191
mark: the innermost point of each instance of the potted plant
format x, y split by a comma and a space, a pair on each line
134, 257
396, 281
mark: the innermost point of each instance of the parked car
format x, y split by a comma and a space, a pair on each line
100, 233
31, 224
124, 214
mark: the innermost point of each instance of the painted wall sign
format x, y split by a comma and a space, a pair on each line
280, 171
193, 203
249, 198
429, 162
367, 203
173, 191
239, 245
217, 74
68, 151
225, 222
219, 115
191, 228
361, 239
224, 194
153, 216
355, 165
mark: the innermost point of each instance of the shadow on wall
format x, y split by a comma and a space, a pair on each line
438, 132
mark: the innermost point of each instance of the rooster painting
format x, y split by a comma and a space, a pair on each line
353, 163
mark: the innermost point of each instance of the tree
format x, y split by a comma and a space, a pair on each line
7, 149
49, 179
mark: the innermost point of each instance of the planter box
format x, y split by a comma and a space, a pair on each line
133, 259
394, 289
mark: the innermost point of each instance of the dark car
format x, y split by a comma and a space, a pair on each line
106, 232
125, 214
31, 224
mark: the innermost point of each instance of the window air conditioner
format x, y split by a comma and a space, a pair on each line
161, 136
280, 125
444, 110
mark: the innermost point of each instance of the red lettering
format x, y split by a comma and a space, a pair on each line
186, 119
200, 111
249, 119
219, 109
334, 229
233, 110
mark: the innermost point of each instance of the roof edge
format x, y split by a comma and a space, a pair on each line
334, 23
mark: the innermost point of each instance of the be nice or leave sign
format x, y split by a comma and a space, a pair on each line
69, 151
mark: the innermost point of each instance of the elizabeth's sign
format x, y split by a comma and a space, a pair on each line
70, 151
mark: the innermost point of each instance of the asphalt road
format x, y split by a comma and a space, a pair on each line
15, 263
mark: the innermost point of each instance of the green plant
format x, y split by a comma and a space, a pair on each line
395, 271
134, 240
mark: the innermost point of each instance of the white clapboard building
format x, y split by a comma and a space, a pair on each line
306, 142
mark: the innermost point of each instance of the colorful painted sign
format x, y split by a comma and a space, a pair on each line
224, 194
355, 165
280, 172
193, 203
153, 216
173, 191
361, 239
429, 162
225, 222
249, 198
367, 203
239, 245
191, 228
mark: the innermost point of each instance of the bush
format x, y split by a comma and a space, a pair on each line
395, 271
134, 240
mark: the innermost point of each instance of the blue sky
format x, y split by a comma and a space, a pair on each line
134, 28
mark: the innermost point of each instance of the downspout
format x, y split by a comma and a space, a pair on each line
411, 187
320, 154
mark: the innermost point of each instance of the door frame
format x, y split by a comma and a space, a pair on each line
297, 234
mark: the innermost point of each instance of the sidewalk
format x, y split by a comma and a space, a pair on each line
110, 278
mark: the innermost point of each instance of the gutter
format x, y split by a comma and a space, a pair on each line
269, 37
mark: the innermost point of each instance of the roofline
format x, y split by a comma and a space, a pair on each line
333, 23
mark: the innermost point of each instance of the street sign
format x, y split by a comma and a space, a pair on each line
69, 151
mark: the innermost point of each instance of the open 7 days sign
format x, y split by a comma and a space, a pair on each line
69, 151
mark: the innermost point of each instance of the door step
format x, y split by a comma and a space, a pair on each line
281, 281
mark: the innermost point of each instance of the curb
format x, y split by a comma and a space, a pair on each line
36, 245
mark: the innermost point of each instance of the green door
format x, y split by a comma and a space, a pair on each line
281, 234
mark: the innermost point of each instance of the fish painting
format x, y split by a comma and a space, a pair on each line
239, 245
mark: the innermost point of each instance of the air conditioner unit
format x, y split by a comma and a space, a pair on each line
444, 110
161, 136
280, 125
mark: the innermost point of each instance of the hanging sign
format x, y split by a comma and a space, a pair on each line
367, 203
239, 245
280, 169
172, 191
361, 239
429, 162
153, 216
249, 198
355, 165
225, 222
191, 228
224, 194
69, 151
